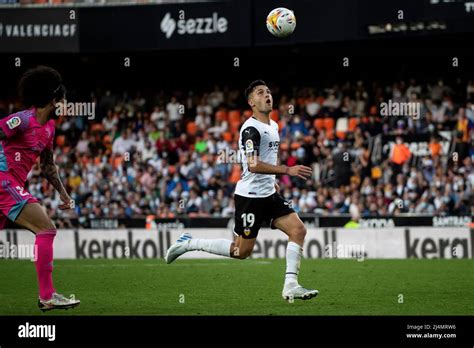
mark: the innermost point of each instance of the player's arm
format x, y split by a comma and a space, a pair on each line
251, 142
50, 172
260, 167
13, 125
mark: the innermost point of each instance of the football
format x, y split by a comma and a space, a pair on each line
281, 22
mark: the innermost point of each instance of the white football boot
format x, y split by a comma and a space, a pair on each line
298, 293
58, 301
178, 248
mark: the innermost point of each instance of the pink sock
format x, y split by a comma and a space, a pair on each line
44, 262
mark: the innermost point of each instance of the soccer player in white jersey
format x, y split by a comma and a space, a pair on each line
257, 198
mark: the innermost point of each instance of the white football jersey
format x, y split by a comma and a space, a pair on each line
262, 140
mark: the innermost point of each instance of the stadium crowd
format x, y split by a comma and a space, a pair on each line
169, 155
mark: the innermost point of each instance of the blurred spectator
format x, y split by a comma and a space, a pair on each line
123, 143
399, 155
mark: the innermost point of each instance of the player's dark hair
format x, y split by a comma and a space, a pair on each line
40, 85
252, 86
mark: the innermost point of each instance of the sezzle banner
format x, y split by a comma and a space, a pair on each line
39, 30
167, 26
390, 243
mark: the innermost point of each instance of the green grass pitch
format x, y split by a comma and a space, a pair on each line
250, 287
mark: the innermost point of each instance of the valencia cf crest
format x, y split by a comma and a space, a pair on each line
247, 231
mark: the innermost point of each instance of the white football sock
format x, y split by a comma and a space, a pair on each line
213, 246
293, 260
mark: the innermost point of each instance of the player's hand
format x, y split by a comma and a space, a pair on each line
277, 187
301, 171
67, 203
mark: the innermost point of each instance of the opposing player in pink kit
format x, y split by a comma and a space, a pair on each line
25, 136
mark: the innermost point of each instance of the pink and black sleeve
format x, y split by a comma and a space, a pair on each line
14, 124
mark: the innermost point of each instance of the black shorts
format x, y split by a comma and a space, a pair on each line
251, 212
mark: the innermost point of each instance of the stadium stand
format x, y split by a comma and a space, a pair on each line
141, 158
